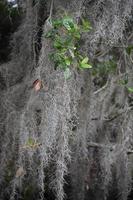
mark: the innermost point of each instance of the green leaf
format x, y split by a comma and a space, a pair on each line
30, 141
49, 34
68, 23
129, 49
86, 25
65, 36
68, 42
85, 60
67, 73
124, 81
84, 63
80, 57
67, 61
63, 50
77, 35
57, 23
130, 89
58, 44
85, 66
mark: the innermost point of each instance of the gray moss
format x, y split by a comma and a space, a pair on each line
83, 129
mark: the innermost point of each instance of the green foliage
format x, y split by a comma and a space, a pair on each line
84, 63
130, 89
31, 143
86, 25
124, 82
129, 49
65, 36
9, 21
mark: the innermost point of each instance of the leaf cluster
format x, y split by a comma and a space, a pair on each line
129, 49
65, 35
124, 82
31, 143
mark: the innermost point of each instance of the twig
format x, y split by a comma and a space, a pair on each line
101, 54
130, 36
131, 59
102, 88
50, 14
117, 114
114, 117
51, 9
94, 144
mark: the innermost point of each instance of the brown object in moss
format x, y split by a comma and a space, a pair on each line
37, 84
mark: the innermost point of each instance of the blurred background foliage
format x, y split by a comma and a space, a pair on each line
10, 17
